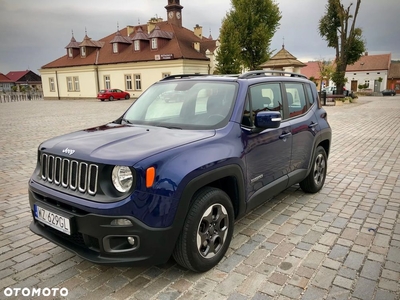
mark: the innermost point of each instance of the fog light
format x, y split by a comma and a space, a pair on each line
131, 240
121, 222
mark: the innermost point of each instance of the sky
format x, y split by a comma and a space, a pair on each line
34, 33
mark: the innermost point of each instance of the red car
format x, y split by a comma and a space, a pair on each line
112, 94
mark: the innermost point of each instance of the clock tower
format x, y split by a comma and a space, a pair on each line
174, 12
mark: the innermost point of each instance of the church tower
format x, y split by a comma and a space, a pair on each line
174, 12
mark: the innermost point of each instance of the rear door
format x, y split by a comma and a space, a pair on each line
304, 123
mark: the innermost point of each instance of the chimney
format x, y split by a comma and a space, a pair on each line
198, 31
151, 24
130, 30
366, 53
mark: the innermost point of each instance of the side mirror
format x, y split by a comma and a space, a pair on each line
268, 119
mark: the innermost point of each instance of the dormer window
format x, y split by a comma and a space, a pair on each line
69, 52
154, 43
136, 44
115, 47
83, 51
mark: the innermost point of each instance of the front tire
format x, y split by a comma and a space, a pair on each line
111, 98
207, 231
127, 97
316, 178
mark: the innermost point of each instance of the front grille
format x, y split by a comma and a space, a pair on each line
69, 174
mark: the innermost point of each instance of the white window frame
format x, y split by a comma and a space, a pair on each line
76, 83
70, 87
83, 51
115, 47
128, 82
51, 84
69, 52
138, 82
107, 82
154, 43
136, 45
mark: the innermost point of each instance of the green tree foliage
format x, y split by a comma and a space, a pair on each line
338, 28
326, 70
246, 34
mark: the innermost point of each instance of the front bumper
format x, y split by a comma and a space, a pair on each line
95, 239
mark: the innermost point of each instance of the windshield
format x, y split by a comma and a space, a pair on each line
184, 104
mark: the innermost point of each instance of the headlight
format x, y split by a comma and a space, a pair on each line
122, 178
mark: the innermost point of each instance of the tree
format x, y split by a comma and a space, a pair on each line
326, 69
246, 34
341, 33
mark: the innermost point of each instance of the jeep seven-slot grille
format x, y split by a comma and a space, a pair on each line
77, 176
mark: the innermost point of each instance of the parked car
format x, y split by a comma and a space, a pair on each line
112, 94
331, 90
388, 93
166, 179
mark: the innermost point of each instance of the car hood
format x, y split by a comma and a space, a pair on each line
115, 143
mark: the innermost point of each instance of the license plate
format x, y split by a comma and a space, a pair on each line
52, 219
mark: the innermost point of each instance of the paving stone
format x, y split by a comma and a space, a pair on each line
343, 282
229, 284
364, 289
389, 285
324, 278
230, 263
384, 295
314, 293
339, 252
354, 260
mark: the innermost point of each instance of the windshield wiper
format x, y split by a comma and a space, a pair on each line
127, 121
169, 127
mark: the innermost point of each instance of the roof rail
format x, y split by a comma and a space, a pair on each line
179, 76
271, 72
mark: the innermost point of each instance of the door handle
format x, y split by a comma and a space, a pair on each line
284, 135
312, 125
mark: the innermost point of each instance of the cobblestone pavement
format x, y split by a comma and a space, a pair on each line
342, 243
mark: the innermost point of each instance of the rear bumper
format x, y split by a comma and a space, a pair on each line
96, 240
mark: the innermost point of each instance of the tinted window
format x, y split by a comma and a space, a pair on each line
266, 97
310, 96
296, 99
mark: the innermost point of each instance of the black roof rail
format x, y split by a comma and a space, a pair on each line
179, 76
271, 72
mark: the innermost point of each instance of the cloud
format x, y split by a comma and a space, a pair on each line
34, 34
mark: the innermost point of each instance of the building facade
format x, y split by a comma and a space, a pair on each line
132, 58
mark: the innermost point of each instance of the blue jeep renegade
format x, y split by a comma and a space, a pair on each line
173, 173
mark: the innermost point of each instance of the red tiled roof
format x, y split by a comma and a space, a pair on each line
394, 71
371, 63
16, 75
311, 70
180, 46
158, 33
5, 79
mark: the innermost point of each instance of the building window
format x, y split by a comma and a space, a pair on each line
69, 84
69, 52
128, 82
76, 84
83, 51
136, 44
51, 84
115, 47
165, 75
366, 82
107, 82
138, 82
154, 43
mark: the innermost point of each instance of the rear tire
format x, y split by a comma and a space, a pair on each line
207, 231
316, 178
111, 98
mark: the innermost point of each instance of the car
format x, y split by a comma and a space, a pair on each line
331, 90
388, 93
170, 179
112, 94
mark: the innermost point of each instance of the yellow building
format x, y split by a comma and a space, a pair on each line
131, 59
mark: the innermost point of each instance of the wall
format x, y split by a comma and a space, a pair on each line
361, 77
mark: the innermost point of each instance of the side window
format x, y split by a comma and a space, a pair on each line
263, 97
296, 99
310, 96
